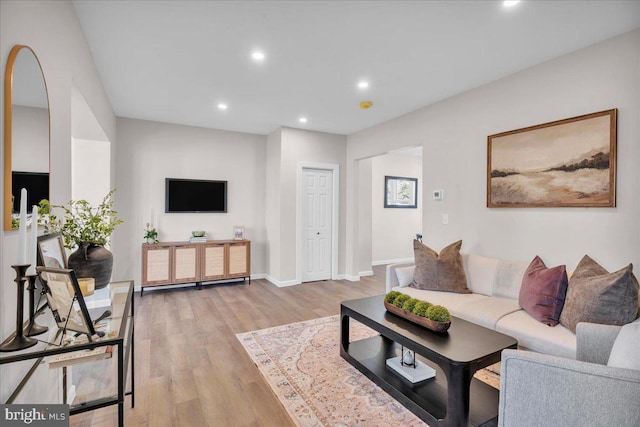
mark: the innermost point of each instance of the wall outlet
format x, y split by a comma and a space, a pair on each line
438, 194
445, 219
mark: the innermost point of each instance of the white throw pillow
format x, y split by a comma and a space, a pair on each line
625, 350
508, 279
481, 272
405, 275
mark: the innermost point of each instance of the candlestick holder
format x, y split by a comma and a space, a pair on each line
19, 341
32, 329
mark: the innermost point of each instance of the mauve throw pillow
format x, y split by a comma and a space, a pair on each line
443, 272
597, 296
543, 291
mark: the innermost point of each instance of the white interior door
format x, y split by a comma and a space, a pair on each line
317, 228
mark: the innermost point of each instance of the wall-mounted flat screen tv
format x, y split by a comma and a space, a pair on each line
36, 183
195, 195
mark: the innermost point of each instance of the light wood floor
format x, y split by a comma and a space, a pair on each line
190, 368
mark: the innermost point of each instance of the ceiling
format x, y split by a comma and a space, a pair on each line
175, 61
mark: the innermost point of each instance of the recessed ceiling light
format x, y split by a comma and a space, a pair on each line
510, 3
222, 106
363, 84
302, 120
257, 55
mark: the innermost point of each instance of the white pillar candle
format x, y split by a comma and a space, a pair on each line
33, 248
22, 232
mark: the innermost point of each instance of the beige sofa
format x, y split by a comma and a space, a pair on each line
493, 303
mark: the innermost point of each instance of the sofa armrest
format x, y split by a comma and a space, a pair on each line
391, 278
539, 389
595, 342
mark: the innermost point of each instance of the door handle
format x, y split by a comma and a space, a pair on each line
318, 233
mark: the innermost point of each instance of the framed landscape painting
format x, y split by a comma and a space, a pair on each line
566, 163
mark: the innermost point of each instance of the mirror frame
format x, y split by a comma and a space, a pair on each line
8, 115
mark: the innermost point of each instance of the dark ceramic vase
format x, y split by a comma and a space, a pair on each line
91, 260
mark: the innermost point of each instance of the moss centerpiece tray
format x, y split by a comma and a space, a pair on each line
422, 321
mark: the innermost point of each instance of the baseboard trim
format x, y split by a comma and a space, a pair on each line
392, 261
351, 278
366, 273
281, 283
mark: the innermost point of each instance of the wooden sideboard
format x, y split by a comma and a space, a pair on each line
172, 263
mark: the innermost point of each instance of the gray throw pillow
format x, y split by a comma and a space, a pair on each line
594, 295
443, 272
626, 347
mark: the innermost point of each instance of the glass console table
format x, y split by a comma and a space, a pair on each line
118, 332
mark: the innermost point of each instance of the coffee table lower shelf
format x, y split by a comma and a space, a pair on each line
428, 399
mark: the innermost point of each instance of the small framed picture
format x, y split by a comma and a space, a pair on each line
400, 192
238, 232
51, 251
62, 290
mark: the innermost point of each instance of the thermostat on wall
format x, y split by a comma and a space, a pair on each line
438, 194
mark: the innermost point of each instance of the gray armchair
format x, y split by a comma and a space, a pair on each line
543, 390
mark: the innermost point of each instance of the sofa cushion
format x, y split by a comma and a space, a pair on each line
487, 311
543, 291
480, 272
626, 348
536, 336
441, 272
508, 279
405, 275
597, 296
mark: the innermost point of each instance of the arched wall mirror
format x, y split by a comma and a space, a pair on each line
26, 133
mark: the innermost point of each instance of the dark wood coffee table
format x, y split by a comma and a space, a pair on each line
453, 397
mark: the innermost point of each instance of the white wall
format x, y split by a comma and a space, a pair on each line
305, 146
393, 229
453, 134
52, 30
272, 204
149, 152
91, 154
90, 170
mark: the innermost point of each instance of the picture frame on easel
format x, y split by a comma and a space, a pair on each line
62, 290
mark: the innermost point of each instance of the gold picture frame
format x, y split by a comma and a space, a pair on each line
565, 163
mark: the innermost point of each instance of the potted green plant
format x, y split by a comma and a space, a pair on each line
88, 229
434, 317
151, 234
44, 210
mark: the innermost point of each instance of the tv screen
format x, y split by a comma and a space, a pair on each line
195, 195
36, 183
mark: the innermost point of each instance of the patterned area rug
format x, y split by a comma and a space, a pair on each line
302, 364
